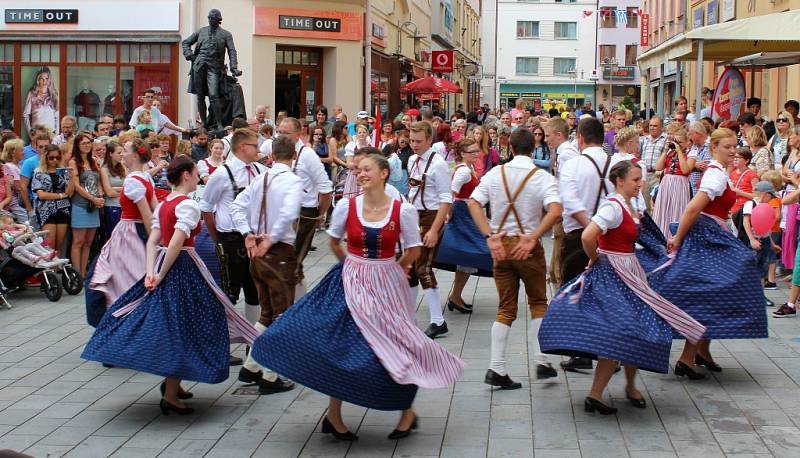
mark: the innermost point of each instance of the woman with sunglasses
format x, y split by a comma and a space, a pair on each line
541, 152
778, 143
387, 135
53, 190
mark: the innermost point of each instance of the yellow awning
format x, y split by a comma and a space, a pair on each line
775, 32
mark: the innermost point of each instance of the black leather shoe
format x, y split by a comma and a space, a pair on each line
278, 386
247, 376
682, 369
435, 330
591, 405
503, 381
312, 248
576, 363
399, 434
709, 364
463, 309
327, 428
638, 403
545, 371
166, 408
181, 394
236, 361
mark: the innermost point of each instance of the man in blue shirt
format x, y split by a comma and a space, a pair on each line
30, 150
27, 166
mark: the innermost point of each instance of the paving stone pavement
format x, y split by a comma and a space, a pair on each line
53, 403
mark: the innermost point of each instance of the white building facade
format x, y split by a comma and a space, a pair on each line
618, 46
544, 54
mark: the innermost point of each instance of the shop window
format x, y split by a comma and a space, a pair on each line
133, 82
527, 65
6, 88
6, 53
36, 52
279, 57
90, 93
566, 30
562, 65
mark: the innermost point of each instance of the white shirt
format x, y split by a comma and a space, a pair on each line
266, 148
409, 221
640, 203
441, 149
283, 205
187, 214
565, 152
461, 176
350, 148
133, 188
540, 191
437, 184
714, 180
579, 183
609, 215
309, 168
218, 195
155, 116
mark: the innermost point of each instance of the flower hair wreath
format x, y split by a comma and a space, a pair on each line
141, 150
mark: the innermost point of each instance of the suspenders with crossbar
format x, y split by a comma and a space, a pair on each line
602, 190
423, 180
262, 217
513, 198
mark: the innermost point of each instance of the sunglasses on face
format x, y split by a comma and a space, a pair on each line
53, 158
781, 120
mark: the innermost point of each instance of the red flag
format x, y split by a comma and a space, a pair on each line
376, 129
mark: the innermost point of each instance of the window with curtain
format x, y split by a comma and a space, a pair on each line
633, 17
562, 65
566, 30
527, 29
528, 65
630, 54
607, 53
608, 18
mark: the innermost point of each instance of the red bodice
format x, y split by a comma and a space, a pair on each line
467, 188
167, 220
621, 238
369, 242
211, 167
129, 208
721, 206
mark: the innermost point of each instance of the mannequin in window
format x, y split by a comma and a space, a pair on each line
108, 102
87, 107
41, 104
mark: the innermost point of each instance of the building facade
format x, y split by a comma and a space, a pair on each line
545, 53
618, 46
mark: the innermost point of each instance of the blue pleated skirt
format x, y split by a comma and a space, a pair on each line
207, 250
608, 321
462, 243
317, 344
651, 245
715, 280
178, 331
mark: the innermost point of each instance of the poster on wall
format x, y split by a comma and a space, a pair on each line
729, 97
39, 96
159, 81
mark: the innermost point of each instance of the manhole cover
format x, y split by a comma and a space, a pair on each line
246, 391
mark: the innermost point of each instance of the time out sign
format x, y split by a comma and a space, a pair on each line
318, 24
28, 16
308, 23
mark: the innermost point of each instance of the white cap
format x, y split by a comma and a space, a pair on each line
362, 115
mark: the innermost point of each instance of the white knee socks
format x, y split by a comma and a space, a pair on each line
434, 305
251, 365
498, 351
539, 357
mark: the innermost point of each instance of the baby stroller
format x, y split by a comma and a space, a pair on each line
14, 272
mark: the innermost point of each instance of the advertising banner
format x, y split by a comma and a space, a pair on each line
729, 96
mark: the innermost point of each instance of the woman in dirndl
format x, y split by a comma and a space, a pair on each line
354, 336
674, 192
121, 262
615, 315
175, 322
713, 277
463, 248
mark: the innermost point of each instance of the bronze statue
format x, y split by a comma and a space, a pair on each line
208, 66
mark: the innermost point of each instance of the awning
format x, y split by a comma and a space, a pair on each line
730, 40
765, 60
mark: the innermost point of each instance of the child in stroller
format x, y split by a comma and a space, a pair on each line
25, 245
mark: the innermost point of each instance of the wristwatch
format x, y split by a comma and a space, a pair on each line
247, 234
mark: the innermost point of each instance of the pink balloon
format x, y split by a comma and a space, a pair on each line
762, 219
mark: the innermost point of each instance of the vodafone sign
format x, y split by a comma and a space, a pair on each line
442, 61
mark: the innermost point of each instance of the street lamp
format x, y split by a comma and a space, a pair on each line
573, 73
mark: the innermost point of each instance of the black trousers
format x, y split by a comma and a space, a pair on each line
573, 258
235, 268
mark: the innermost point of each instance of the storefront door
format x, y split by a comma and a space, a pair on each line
298, 81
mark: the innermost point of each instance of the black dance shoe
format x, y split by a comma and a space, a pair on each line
461, 308
278, 386
399, 434
682, 369
503, 381
435, 330
235, 361
544, 371
591, 405
248, 376
327, 428
638, 403
709, 364
166, 407
181, 394
576, 363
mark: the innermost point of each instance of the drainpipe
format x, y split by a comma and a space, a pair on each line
193, 27
366, 101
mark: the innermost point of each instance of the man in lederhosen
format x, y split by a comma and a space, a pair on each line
238, 171
584, 184
429, 192
265, 214
317, 188
517, 195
